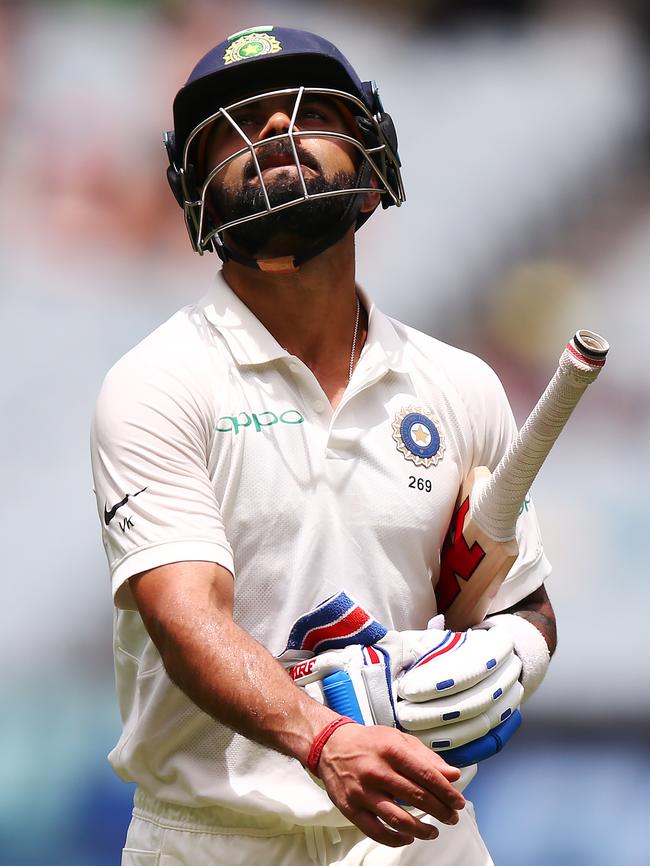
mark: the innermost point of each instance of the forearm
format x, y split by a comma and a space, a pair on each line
187, 610
537, 609
230, 676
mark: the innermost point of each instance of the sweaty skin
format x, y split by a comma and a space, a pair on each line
187, 609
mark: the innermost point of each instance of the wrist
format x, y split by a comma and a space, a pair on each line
529, 645
321, 738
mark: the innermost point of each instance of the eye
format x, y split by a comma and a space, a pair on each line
248, 117
315, 111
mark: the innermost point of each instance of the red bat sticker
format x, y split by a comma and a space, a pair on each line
457, 560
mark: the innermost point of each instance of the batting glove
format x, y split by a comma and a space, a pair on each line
458, 692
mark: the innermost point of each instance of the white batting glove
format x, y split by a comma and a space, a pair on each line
423, 681
458, 692
530, 646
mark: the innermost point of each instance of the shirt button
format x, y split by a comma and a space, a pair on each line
318, 406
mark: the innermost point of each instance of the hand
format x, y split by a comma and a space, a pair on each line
460, 695
367, 770
456, 691
461, 687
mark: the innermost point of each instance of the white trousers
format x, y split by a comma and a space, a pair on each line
161, 834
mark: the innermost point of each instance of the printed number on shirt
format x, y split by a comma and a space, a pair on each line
420, 483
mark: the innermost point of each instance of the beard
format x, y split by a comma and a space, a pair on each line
290, 231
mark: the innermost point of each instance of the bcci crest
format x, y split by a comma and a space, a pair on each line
417, 434
253, 44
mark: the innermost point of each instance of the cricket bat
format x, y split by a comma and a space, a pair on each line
480, 547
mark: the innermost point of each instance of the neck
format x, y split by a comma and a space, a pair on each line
311, 312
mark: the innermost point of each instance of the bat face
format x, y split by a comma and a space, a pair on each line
458, 561
472, 565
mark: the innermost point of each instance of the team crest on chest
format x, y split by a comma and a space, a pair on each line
418, 436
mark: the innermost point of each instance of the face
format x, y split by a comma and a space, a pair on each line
326, 164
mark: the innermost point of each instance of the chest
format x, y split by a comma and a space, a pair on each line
386, 461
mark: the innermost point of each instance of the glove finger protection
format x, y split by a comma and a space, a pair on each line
456, 734
459, 661
469, 704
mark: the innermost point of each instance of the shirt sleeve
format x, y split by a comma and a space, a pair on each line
150, 440
494, 428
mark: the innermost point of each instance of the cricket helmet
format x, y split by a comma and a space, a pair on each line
262, 63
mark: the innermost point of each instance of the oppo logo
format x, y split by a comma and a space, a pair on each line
235, 423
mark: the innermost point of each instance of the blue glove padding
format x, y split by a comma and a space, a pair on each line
486, 746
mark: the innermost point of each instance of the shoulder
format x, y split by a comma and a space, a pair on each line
172, 366
182, 339
443, 363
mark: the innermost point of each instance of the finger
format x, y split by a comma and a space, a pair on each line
401, 821
467, 775
435, 796
424, 801
429, 772
377, 830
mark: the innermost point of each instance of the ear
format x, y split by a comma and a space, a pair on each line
370, 202
371, 199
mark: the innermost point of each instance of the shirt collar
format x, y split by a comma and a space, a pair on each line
247, 338
384, 347
250, 343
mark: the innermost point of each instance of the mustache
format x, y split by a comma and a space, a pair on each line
275, 150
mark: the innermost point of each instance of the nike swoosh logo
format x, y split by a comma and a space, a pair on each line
109, 515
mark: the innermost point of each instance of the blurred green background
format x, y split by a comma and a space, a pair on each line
524, 131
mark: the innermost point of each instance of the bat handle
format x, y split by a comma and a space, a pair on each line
496, 505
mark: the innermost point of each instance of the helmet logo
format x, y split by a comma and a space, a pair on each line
251, 45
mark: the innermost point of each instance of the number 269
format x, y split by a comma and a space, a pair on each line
420, 483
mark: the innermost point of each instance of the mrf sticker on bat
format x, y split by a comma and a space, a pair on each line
418, 436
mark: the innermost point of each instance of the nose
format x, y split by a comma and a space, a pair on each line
276, 124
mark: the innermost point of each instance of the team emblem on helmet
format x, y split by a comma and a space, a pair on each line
417, 434
251, 45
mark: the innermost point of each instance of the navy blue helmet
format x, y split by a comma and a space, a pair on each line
262, 63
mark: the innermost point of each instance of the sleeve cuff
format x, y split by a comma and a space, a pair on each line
527, 581
164, 553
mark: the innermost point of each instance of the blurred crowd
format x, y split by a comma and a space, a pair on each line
525, 137
85, 94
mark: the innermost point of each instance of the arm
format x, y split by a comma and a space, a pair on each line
187, 610
538, 610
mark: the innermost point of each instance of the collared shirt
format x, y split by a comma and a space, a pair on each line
212, 442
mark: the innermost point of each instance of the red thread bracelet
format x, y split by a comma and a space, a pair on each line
320, 739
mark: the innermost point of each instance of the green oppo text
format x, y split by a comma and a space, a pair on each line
234, 423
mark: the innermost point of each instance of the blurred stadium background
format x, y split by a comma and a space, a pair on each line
525, 138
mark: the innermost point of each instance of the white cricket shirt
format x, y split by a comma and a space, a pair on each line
211, 442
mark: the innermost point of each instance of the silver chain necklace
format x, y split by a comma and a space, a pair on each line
354, 339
